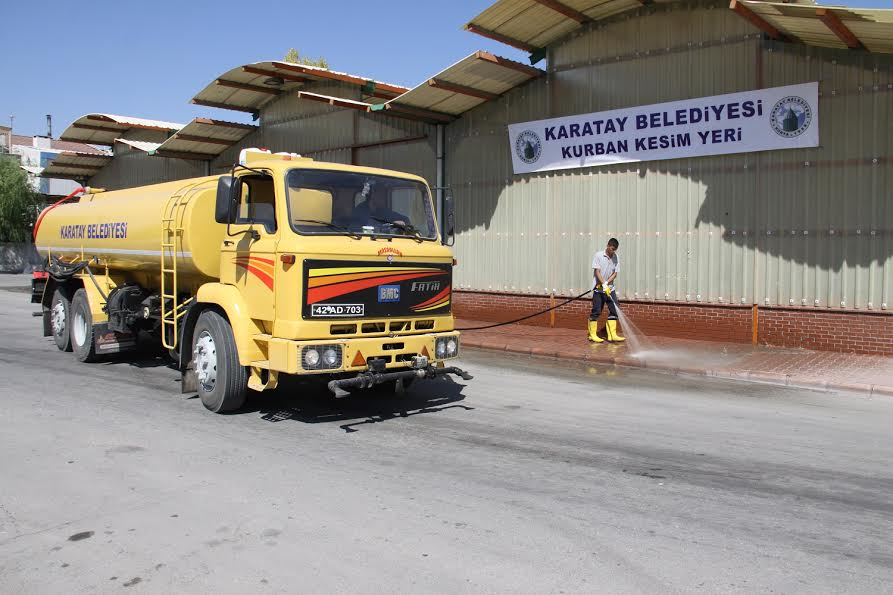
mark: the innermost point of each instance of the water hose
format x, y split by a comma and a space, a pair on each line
62, 271
43, 213
523, 318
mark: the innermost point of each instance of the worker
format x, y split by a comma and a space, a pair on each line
605, 266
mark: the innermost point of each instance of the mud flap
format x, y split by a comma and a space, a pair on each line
107, 341
188, 381
47, 322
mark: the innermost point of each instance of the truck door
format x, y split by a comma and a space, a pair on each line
248, 254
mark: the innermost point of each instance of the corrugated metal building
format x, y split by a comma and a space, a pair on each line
782, 246
808, 229
132, 141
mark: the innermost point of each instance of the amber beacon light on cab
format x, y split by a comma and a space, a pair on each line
283, 266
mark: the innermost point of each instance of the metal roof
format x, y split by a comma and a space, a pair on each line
532, 25
203, 138
473, 80
835, 27
247, 88
75, 165
139, 145
336, 101
103, 129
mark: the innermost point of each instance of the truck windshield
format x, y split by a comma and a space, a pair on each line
333, 202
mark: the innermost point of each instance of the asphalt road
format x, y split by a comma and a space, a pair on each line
535, 477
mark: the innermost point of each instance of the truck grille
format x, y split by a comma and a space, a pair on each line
377, 328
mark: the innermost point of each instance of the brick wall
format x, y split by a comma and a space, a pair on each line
824, 330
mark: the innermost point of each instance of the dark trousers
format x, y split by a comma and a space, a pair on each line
598, 303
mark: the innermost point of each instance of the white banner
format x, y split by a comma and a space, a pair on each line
761, 120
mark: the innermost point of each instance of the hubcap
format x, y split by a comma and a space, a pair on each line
204, 356
57, 319
79, 329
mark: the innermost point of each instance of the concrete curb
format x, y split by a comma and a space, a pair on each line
625, 361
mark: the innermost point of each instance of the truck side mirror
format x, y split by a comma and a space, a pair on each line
449, 227
223, 210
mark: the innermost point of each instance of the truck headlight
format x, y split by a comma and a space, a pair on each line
311, 358
446, 347
321, 357
330, 358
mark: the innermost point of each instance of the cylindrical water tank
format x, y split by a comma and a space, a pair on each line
125, 229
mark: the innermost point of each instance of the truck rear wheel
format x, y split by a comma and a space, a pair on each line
81, 328
222, 381
60, 317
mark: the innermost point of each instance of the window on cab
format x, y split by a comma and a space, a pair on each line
257, 202
329, 202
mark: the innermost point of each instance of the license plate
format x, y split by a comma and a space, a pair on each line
337, 310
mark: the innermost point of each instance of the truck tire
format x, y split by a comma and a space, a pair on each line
60, 318
81, 328
222, 381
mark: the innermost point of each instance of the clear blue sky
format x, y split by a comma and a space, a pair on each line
147, 59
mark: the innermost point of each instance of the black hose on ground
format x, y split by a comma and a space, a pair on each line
517, 320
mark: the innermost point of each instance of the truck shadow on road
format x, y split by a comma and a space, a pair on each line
310, 402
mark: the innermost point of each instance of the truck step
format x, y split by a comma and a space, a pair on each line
263, 364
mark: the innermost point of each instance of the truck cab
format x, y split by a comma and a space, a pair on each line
325, 269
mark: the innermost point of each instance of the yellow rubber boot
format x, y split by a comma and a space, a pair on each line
611, 325
593, 332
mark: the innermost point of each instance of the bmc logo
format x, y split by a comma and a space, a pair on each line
388, 293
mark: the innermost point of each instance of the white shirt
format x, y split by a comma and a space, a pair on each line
606, 266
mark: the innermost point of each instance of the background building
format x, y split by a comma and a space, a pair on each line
37, 152
5, 139
787, 247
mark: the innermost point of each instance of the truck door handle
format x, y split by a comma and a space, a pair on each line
227, 243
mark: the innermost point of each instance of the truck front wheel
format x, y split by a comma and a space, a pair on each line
222, 381
60, 316
81, 328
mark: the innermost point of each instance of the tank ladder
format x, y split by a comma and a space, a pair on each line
171, 250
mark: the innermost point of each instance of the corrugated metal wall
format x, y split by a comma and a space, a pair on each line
795, 227
132, 167
417, 156
328, 133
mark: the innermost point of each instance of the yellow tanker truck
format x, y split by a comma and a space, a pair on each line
283, 266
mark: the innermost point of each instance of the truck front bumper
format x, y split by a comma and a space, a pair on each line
360, 354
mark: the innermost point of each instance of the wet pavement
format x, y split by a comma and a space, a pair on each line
538, 476
793, 367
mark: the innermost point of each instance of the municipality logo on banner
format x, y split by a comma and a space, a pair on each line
761, 120
791, 116
528, 146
